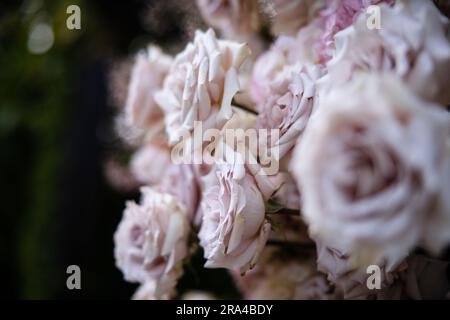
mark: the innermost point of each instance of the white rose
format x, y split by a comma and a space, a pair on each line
181, 181
289, 105
142, 115
411, 43
151, 239
370, 168
162, 289
350, 280
150, 162
286, 51
234, 229
201, 84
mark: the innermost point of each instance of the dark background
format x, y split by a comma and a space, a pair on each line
56, 133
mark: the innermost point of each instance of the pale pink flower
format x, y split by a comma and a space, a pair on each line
338, 15
370, 169
151, 240
151, 161
234, 230
244, 148
182, 181
350, 280
289, 106
142, 115
286, 51
412, 43
201, 84
163, 288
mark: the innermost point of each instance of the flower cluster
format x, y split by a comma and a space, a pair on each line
355, 119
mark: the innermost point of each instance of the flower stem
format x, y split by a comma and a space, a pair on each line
242, 107
285, 212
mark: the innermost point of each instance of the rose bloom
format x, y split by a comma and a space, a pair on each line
289, 106
286, 51
234, 18
291, 15
151, 161
338, 15
146, 291
142, 114
370, 168
279, 276
151, 239
412, 44
201, 84
161, 289
182, 181
244, 149
351, 281
234, 229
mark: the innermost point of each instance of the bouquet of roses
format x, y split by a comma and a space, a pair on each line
306, 149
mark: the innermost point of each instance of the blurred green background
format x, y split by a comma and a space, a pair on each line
56, 132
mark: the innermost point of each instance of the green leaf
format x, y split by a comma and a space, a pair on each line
273, 207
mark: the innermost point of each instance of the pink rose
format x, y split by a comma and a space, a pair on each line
370, 167
286, 51
151, 240
182, 181
351, 281
411, 44
201, 84
142, 115
289, 106
234, 229
150, 162
265, 70
162, 289
338, 15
